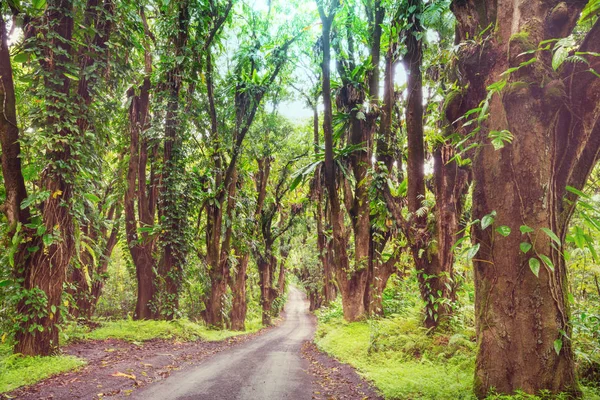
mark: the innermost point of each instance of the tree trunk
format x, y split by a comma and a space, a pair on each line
14, 183
238, 289
264, 280
141, 246
172, 197
43, 280
555, 125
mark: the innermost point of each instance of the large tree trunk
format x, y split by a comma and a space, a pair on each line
554, 120
38, 335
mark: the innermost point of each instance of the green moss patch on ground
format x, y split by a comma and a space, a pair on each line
403, 362
17, 370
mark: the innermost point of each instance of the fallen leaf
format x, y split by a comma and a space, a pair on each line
124, 375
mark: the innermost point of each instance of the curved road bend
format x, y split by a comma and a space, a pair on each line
268, 367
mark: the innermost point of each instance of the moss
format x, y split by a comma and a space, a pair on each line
140, 331
17, 370
400, 357
522, 39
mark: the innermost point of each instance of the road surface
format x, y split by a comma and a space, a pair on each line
268, 367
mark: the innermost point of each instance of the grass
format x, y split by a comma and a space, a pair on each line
403, 362
400, 359
182, 330
17, 370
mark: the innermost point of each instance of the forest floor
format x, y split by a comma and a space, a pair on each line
275, 363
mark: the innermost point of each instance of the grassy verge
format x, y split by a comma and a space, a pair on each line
402, 361
140, 331
17, 370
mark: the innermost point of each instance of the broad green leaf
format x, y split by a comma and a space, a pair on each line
503, 230
560, 55
39, 4
534, 264
4, 283
47, 239
70, 76
551, 235
525, 247
488, 220
525, 229
473, 251
547, 261
92, 197
21, 57
558, 345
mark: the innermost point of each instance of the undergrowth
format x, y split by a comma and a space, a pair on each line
403, 361
17, 370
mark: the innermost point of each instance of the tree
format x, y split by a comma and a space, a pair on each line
49, 242
542, 117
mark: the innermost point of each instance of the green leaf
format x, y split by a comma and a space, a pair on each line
70, 76
534, 264
590, 10
473, 251
558, 345
560, 55
39, 4
503, 230
47, 239
551, 235
577, 192
547, 261
53, 308
92, 197
21, 58
4, 283
297, 180
525, 229
499, 138
488, 220
525, 247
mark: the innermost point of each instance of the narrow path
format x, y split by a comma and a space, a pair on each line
269, 367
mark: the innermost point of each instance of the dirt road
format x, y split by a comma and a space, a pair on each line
269, 367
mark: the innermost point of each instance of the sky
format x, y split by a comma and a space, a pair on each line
297, 110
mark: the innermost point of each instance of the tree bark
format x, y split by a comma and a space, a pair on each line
14, 183
554, 120
141, 246
239, 306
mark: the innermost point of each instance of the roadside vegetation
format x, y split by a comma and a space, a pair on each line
405, 361
18, 370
